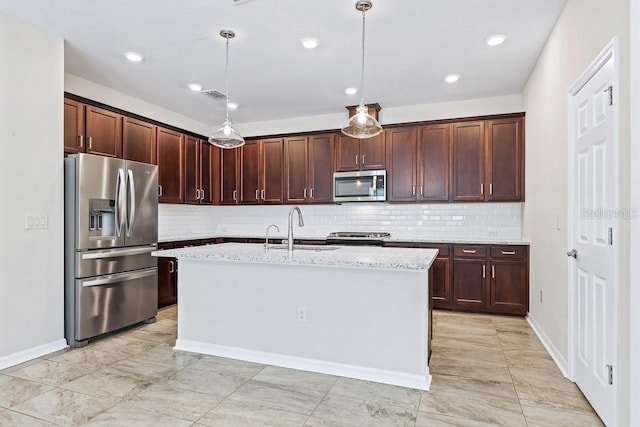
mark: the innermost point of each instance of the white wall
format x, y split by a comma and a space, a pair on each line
31, 168
581, 33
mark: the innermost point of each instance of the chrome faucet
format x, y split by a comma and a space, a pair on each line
290, 233
266, 239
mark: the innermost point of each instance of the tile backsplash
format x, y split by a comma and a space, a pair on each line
483, 221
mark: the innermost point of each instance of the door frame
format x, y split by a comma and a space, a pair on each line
610, 51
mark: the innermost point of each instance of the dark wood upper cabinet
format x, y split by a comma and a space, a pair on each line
170, 157
138, 141
208, 165
73, 126
401, 164
192, 167
250, 173
468, 161
308, 171
229, 175
360, 154
434, 163
103, 132
505, 159
271, 170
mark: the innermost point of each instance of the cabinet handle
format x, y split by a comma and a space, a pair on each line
481, 188
491, 189
201, 194
159, 190
262, 194
469, 251
484, 271
90, 141
493, 272
312, 193
81, 141
257, 194
413, 190
305, 193
422, 190
356, 160
235, 195
171, 267
508, 252
363, 159
197, 194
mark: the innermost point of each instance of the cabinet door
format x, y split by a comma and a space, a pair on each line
271, 171
468, 161
191, 170
295, 170
509, 291
138, 141
250, 175
347, 154
441, 289
320, 168
401, 162
73, 126
104, 132
372, 153
206, 173
170, 166
469, 283
505, 159
229, 176
433, 163
167, 281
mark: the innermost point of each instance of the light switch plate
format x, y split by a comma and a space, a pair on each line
35, 221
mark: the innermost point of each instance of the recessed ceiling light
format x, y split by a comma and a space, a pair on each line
133, 56
310, 43
452, 78
496, 40
351, 90
195, 87
233, 105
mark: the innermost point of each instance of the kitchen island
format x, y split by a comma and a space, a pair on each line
360, 312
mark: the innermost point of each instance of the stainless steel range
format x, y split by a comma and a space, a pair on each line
371, 238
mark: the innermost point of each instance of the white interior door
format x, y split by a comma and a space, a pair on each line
594, 331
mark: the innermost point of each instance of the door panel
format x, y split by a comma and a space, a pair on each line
401, 159
206, 173
468, 161
138, 141
441, 285
321, 149
229, 176
250, 176
104, 132
372, 153
347, 154
191, 170
271, 171
469, 285
295, 170
142, 207
433, 163
508, 287
505, 159
171, 165
73, 126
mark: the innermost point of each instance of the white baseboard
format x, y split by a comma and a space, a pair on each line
31, 353
553, 351
421, 382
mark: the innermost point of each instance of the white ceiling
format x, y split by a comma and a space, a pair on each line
410, 46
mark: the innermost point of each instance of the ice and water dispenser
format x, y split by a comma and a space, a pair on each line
102, 218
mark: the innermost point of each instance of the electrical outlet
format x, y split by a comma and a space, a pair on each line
302, 314
541, 295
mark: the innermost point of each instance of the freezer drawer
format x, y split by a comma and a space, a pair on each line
99, 262
107, 303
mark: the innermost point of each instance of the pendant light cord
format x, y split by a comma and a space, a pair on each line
226, 74
362, 70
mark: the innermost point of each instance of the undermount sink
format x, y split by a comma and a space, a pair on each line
306, 247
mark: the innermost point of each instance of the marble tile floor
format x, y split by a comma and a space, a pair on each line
487, 370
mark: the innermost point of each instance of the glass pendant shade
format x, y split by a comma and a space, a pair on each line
226, 136
362, 125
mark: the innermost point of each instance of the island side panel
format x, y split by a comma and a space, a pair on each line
358, 322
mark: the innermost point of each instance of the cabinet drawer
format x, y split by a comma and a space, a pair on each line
519, 252
469, 251
443, 250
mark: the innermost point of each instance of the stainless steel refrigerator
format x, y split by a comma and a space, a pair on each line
111, 228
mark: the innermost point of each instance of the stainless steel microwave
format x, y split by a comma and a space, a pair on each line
360, 186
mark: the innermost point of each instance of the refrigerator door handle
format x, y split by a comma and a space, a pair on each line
120, 277
118, 214
132, 201
119, 253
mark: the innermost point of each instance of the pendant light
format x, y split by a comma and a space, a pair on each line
362, 125
226, 136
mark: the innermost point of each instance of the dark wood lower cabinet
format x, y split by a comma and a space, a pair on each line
469, 283
509, 290
167, 278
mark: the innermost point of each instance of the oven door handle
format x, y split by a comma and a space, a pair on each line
119, 277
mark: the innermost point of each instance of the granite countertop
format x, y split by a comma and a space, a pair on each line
345, 256
412, 239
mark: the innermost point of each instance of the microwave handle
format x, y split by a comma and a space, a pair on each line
375, 183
